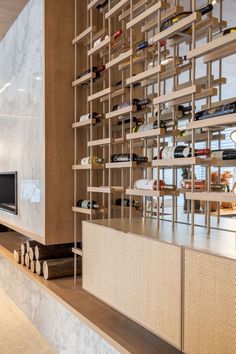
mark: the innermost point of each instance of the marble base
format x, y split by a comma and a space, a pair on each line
64, 331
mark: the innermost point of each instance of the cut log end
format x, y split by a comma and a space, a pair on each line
17, 256
33, 266
39, 267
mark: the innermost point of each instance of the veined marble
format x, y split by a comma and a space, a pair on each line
22, 114
63, 330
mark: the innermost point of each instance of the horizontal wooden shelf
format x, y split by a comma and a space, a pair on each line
101, 189
128, 164
212, 196
138, 60
84, 123
183, 162
121, 112
99, 94
164, 16
145, 134
225, 163
145, 14
103, 44
145, 74
116, 8
99, 142
136, 7
77, 251
228, 119
83, 34
200, 137
84, 79
201, 81
119, 59
204, 93
201, 28
169, 73
105, 189
219, 103
88, 167
210, 47
115, 93
177, 94
84, 211
93, 3
221, 53
151, 193
178, 27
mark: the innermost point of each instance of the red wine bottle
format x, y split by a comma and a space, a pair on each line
128, 157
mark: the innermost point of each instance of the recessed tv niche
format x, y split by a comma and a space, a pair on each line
8, 192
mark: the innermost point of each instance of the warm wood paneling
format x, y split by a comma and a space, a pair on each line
209, 304
9, 10
138, 276
59, 108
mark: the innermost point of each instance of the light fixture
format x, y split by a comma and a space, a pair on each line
233, 136
38, 78
5, 86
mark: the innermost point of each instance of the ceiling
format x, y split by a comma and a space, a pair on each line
9, 10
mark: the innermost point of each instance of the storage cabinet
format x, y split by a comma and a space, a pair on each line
209, 304
138, 276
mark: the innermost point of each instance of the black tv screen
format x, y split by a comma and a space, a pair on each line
8, 191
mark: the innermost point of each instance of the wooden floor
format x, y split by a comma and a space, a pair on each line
125, 335
17, 334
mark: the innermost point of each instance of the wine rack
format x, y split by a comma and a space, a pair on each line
153, 73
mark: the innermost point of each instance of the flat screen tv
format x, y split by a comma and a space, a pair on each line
8, 191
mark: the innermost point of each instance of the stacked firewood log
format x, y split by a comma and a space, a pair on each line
54, 261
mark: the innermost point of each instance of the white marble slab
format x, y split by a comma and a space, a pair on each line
63, 330
22, 114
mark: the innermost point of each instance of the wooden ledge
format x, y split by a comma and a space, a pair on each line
178, 27
229, 119
145, 14
212, 196
225, 41
116, 8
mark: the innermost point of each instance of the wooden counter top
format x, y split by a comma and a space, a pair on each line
221, 243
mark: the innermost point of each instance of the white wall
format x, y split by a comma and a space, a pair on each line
22, 115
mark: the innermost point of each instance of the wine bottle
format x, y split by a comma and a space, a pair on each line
126, 203
174, 152
140, 104
128, 157
148, 184
86, 204
181, 151
102, 4
94, 115
94, 160
175, 19
104, 36
127, 120
153, 125
229, 30
228, 108
88, 71
144, 44
95, 69
226, 154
